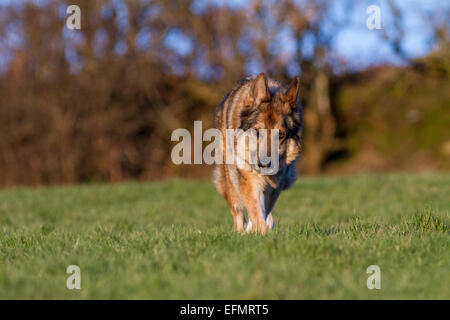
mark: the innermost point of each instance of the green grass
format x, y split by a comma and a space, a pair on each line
173, 240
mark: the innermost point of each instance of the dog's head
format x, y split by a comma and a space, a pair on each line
274, 115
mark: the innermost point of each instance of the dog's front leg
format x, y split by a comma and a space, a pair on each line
256, 216
252, 201
270, 198
239, 220
266, 217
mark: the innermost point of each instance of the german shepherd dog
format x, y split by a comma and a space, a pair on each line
259, 103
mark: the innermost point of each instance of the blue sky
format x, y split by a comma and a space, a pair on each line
355, 43
362, 47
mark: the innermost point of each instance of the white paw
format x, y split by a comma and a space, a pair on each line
269, 222
249, 226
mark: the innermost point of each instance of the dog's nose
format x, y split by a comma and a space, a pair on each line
262, 165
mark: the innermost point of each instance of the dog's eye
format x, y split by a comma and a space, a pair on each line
281, 135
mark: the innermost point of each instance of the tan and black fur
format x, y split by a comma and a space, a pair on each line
259, 103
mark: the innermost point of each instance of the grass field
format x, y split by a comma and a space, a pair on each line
174, 240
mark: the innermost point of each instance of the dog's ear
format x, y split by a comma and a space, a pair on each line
259, 91
291, 94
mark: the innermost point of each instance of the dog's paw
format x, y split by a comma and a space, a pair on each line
269, 221
249, 227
